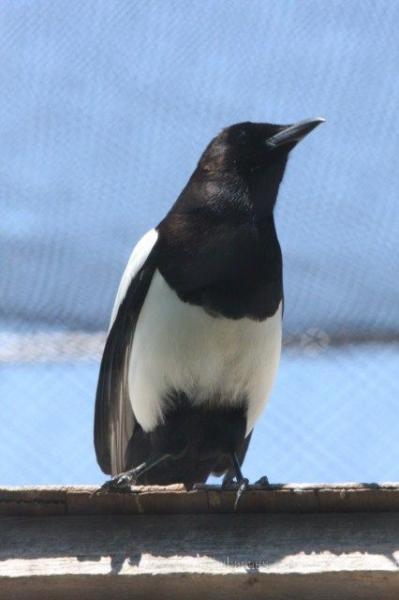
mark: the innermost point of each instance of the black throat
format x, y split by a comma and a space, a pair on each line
215, 251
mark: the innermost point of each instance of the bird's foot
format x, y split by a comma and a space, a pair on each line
120, 483
263, 482
242, 482
242, 486
234, 483
124, 481
230, 483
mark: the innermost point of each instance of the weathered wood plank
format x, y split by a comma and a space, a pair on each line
332, 586
224, 554
68, 545
206, 499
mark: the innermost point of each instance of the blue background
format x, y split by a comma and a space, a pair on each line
105, 108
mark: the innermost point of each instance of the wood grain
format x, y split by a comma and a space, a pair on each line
175, 499
68, 548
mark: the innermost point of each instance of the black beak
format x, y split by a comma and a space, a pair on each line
291, 134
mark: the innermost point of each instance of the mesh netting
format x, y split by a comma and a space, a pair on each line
104, 111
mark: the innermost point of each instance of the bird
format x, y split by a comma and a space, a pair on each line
195, 333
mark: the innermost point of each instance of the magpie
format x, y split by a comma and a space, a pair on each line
195, 335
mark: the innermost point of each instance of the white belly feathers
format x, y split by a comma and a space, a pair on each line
178, 346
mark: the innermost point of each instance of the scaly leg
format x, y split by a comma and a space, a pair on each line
242, 481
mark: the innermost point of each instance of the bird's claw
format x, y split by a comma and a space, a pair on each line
242, 486
262, 482
229, 483
119, 483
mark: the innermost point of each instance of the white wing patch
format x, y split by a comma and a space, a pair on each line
137, 259
179, 346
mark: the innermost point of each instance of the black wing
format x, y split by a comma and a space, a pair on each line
114, 418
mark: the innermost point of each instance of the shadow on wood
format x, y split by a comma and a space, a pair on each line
69, 547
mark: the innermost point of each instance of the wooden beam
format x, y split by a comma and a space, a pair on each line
294, 541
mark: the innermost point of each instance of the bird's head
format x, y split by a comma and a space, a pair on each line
254, 155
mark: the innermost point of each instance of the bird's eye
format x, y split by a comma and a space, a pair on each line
242, 136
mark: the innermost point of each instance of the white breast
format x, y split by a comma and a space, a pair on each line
178, 346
